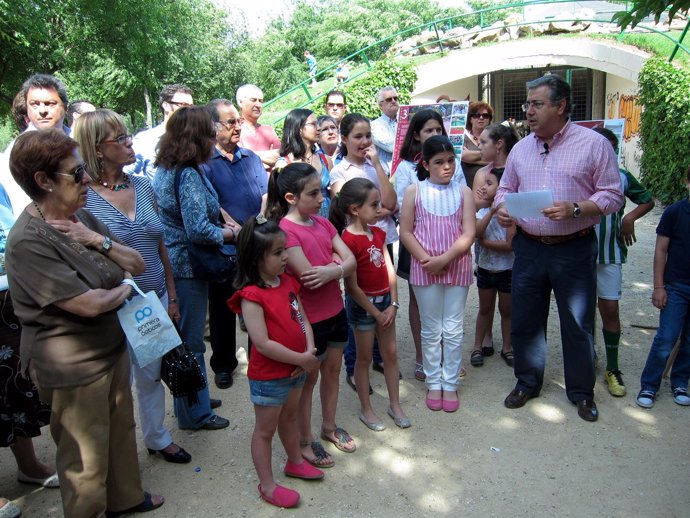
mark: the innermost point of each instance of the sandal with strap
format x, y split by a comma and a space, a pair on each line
477, 358
342, 439
419, 374
508, 358
321, 457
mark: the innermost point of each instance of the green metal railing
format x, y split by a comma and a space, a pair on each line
444, 24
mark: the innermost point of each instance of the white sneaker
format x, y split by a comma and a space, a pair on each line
681, 397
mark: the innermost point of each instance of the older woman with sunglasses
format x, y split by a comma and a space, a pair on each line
126, 204
479, 117
65, 271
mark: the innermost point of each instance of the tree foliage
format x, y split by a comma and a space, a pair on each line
641, 9
113, 52
331, 30
665, 128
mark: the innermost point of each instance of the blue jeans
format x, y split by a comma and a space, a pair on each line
193, 299
350, 352
674, 320
569, 270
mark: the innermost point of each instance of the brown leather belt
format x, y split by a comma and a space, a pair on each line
557, 240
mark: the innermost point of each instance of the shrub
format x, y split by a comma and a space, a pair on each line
361, 94
665, 129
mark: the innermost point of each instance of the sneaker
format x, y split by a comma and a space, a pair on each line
681, 397
614, 381
645, 398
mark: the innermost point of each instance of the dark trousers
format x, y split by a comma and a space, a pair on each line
222, 323
569, 270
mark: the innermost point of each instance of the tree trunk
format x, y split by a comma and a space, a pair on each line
149, 115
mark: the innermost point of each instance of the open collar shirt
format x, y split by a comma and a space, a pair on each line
580, 165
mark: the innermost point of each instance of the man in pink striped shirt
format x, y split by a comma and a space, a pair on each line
557, 252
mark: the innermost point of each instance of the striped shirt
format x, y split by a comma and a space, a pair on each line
144, 234
437, 225
580, 165
612, 248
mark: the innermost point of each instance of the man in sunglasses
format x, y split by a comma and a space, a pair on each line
336, 105
145, 143
46, 103
556, 250
384, 128
239, 178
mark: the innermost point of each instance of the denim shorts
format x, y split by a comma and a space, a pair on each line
274, 392
330, 332
358, 318
488, 280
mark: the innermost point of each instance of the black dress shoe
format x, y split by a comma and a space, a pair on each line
517, 398
587, 410
351, 381
215, 403
179, 457
223, 380
379, 367
216, 423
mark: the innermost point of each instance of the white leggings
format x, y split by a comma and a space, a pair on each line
441, 310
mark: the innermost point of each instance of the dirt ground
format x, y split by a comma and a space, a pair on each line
484, 460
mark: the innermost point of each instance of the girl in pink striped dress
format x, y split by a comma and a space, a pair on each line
438, 227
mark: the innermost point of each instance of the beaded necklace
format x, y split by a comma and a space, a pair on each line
118, 186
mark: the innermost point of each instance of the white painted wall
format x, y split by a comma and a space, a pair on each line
457, 90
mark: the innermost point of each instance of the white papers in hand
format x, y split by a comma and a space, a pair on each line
528, 204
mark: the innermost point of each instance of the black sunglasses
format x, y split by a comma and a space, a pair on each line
77, 173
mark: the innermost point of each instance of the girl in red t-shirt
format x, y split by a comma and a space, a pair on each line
372, 294
282, 350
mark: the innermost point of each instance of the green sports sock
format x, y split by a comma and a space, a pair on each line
611, 341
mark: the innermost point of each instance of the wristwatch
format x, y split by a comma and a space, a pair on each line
107, 244
395, 305
577, 211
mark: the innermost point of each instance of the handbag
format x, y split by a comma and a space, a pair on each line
150, 331
212, 263
181, 372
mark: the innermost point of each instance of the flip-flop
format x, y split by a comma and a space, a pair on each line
342, 439
320, 455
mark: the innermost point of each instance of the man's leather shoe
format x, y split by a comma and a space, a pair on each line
587, 410
215, 403
517, 398
223, 380
216, 423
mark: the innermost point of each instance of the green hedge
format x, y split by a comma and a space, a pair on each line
665, 129
361, 94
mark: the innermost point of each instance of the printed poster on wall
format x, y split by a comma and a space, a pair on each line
454, 117
617, 126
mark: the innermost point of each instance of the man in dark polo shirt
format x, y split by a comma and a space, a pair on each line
240, 180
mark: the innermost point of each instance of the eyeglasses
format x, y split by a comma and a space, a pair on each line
537, 105
392, 99
310, 124
480, 116
180, 104
336, 105
120, 139
77, 173
328, 129
231, 123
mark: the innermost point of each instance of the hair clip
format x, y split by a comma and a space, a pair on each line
260, 219
280, 164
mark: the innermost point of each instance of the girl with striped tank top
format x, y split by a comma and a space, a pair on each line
438, 228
